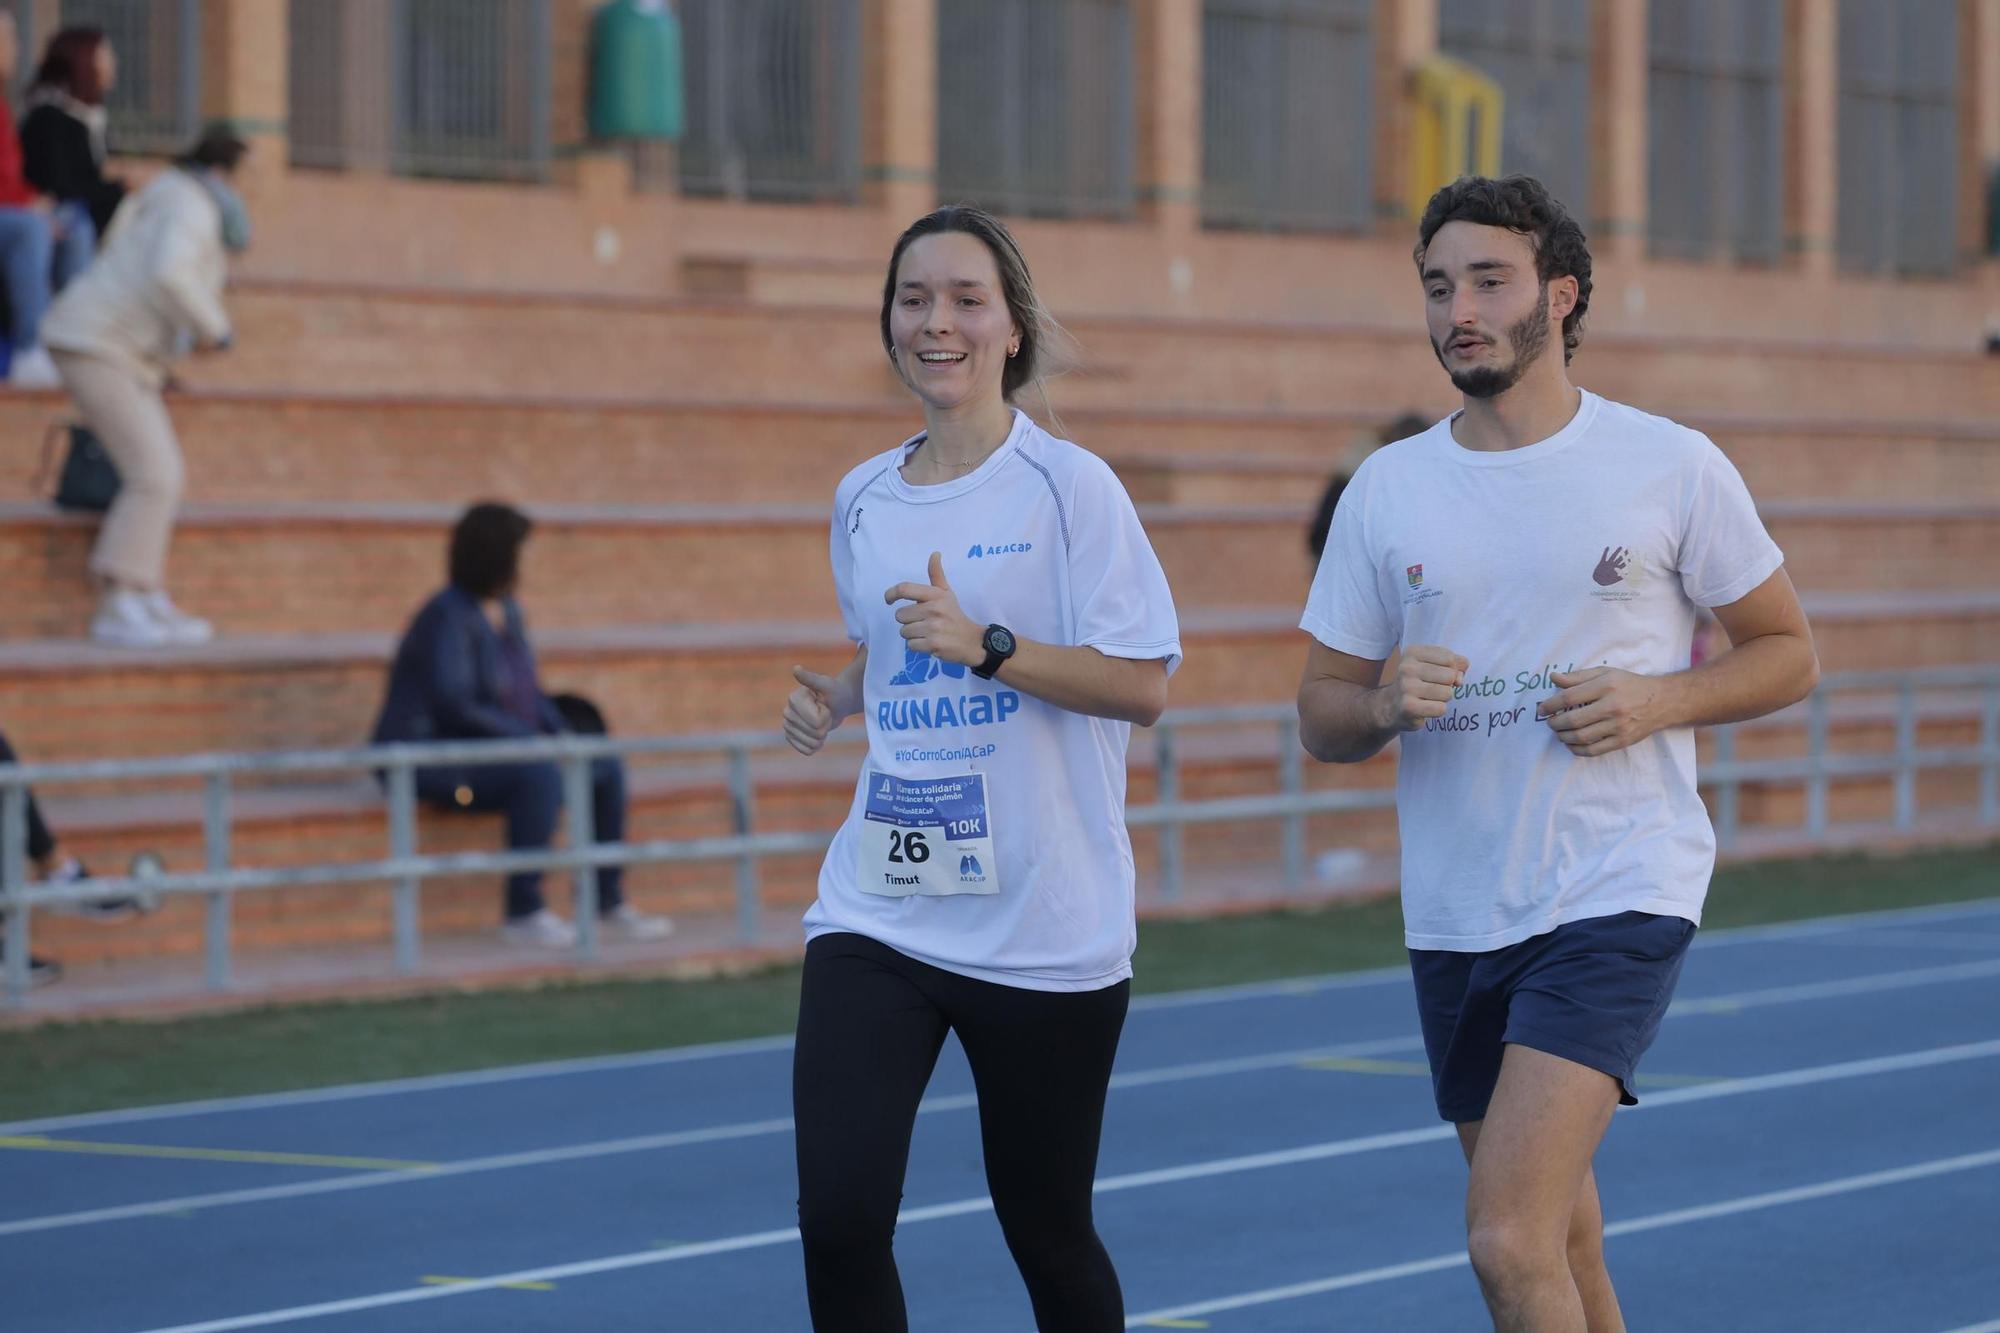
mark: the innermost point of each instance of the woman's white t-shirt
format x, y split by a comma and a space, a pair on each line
1592, 547
987, 834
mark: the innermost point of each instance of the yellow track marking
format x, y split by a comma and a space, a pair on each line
1675, 1080
36, 1143
1350, 1066
431, 1280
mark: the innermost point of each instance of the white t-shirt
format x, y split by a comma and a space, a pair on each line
1042, 539
1592, 547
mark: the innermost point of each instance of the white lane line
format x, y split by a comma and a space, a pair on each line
1315, 1152
1872, 984
471, 1078
1964, 941
1716, 1004
1990, 1326
1810, 927
1140, 1078
1287, 987
1292, 987
1748, 1203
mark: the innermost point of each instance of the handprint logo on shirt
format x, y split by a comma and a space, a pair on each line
1611, 566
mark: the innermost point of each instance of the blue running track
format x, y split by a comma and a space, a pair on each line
1818, 1147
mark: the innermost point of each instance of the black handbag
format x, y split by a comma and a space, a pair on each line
89, 479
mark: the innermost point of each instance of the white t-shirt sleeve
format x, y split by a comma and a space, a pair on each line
1346, 610
1123, 606
1725, 552
841, 555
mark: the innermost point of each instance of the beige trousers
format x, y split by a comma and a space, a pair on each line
130, 417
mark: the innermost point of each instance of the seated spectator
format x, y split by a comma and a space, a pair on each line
1402, 428
464, 671
63, 140
154, 292
30, 237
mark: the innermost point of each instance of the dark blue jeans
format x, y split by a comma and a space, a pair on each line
531, 796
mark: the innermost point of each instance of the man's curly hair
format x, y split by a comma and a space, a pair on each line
1522, 204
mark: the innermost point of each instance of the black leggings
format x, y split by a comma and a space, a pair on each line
40, 841
871, 1023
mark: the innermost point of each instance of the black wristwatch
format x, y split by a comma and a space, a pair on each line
998, 641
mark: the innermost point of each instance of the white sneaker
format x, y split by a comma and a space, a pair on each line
33, 369
543, 929
629, 923
183, 627
123, 620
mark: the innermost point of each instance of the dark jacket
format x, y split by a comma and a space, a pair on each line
449, 679
59, 160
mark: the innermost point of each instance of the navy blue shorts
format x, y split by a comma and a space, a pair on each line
1591, 991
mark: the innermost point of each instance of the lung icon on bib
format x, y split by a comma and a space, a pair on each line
969, 868
922, 668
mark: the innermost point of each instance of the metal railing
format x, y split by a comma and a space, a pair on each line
448, 88
1035, 109
1967, 692
1287, 113
773, 100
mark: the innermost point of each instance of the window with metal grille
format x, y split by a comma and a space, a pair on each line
773, 99
457, 88
1898, 132
1288, 114
1715, 118
1035, 106
1538, 51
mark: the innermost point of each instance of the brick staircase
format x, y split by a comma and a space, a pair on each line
679, 455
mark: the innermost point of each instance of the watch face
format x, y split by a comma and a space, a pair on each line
999, 640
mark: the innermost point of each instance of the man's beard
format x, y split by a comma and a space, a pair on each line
1528, 336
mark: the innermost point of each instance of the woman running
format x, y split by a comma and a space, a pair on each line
1011, 623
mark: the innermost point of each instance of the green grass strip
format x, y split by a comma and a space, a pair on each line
92, 1065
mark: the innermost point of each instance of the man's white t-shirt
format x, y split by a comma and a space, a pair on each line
1043, 539
1592, 547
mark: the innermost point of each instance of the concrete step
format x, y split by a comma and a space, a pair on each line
68, 700
455, 342
342, 567
287, 445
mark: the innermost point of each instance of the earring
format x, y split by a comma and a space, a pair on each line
1013, 351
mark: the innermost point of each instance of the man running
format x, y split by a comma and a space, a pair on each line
1538, 557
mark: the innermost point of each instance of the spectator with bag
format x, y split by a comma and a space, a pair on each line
153, 294
464, 671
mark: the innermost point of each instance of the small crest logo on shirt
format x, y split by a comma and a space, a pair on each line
1418, 591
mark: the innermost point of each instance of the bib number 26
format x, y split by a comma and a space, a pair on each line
908, 847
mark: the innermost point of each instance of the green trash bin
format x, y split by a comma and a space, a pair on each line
635, 71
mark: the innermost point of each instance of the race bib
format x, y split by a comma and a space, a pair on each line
931, 835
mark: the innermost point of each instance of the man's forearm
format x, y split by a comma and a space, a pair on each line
1756, 677
1341, 722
